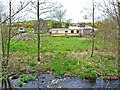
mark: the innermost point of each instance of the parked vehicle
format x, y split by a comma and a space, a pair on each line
22, 30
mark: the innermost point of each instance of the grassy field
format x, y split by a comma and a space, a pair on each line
68, 56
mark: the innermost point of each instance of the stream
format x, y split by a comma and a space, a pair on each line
50, 81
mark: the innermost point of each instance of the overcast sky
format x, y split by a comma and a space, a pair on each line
77, 9
74, 8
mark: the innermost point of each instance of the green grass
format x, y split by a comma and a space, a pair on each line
64, 56
88, 67
29, 30
24, 47
49, 44
64, 44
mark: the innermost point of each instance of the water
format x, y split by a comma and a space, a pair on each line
49, 81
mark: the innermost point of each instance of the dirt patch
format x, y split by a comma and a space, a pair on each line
80, 53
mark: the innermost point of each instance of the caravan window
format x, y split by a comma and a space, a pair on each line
66, 31
72, 31
77, 31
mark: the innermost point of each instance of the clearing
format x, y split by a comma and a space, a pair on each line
68, 56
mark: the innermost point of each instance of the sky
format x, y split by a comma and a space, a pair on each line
77, 10
74, 9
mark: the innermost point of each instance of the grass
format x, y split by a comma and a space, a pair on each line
29, 30
68, 56
49, 44
64, 44
65, 65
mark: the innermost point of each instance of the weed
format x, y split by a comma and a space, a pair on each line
31, 63
20, 84
25, 78
1, 70
108, 57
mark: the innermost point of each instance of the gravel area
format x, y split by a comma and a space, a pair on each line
23, 36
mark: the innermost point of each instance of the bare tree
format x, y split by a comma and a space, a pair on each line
9, 33
3, 39
108, 28
59, 13
44, 7
41, 8
38, 21
93, 42
118, 38
6, 22
17, 11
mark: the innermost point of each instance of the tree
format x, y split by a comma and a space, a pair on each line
118, 38
9, 33
1, 35
38, 23
43, 7
55, 24
3, 39
6, 22
108, 31
67, 25
93, 42
59, 13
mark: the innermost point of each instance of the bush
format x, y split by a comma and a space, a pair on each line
55, 25
67, 25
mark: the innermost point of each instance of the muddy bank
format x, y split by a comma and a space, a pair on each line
49, 81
